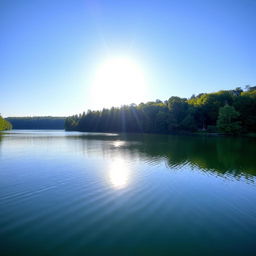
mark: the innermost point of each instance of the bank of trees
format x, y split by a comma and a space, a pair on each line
4, 124
43, 122
229, 111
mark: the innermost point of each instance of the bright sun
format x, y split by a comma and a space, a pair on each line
118, 81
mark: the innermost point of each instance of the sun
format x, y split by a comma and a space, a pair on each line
118, 81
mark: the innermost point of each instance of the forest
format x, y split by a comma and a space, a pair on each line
225, 112
4, 124
43, 122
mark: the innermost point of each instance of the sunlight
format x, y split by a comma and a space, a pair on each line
119, 174
118, 143
118, 81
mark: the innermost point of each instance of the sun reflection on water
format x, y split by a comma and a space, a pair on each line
118, 143
119, 174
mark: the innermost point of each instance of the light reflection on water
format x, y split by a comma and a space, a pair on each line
129, 194
119, 173
118, 143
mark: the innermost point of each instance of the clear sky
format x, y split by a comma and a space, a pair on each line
51, 51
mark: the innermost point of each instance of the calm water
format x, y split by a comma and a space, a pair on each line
107, 194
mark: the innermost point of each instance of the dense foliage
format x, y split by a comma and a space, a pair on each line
201, 112
227, 120
47, 122
4, 125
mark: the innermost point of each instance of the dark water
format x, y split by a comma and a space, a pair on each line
106, 194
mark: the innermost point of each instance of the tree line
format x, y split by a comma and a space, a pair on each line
4, 124
40, 122
226, 111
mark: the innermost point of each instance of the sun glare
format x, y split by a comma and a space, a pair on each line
118, 81
119, 174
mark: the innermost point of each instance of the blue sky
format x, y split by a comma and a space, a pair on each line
50, 49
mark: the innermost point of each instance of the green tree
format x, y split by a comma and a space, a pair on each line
189, 123
227, 120
175, 115
4, 124
246, 105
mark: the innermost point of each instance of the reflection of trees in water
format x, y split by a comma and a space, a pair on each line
220, 154
230, 155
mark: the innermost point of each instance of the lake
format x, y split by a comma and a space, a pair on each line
70, 193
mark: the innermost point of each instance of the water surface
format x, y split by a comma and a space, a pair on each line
70, 193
